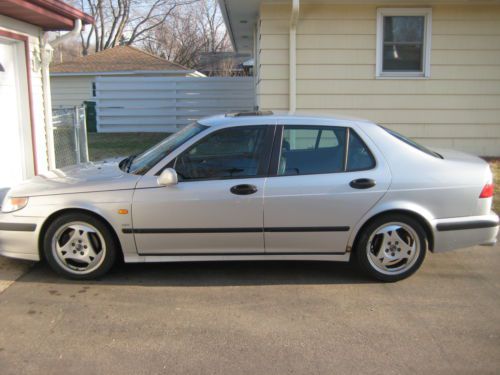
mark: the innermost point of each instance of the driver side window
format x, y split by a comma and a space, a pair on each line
236, 152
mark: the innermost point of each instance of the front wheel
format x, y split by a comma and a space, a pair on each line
79, 246
392, 247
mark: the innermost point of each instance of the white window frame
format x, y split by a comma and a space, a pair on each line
426, 63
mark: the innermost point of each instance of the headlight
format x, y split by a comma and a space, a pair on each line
11, 204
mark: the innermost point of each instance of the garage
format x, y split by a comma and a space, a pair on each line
25, 125
16, 156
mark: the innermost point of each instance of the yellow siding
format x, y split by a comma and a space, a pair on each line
458, 106
70, 91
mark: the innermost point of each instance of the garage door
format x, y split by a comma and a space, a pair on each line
12, 155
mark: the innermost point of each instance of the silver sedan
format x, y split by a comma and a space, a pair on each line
257, 187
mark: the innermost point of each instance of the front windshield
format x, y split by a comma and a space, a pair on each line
149, 158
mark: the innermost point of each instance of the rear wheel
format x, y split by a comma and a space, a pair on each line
79, 246
392, 247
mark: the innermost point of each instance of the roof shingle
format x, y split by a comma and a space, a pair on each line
117, 59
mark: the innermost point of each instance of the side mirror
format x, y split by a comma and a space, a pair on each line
168, 177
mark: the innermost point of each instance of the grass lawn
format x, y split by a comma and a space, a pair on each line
106, 145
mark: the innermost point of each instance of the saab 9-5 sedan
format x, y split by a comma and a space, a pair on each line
257, 186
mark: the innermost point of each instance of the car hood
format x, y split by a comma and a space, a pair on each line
82, 178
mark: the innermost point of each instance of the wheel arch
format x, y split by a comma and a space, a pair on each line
407, 212
54, 215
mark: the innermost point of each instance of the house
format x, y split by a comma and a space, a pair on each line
429, 69
74, 82
232, 64
26, 144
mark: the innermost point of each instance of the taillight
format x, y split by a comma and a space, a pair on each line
487, 191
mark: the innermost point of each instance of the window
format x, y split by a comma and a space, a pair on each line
359, 156
403, 42
94, 90
312, 150
237, 152
143, 162
412, 143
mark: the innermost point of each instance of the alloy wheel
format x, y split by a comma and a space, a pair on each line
78, 247
393, 248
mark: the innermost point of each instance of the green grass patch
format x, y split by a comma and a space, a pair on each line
108, 145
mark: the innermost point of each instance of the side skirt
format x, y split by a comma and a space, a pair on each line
344, 257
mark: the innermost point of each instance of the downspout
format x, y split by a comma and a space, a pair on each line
47, 52
294, 19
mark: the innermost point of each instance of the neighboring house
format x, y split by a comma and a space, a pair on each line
430, 69
74, 82
226, 64
26, 146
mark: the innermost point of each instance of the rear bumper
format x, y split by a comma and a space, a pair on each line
457, 233
19, 236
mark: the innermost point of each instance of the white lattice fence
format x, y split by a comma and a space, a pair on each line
161, 104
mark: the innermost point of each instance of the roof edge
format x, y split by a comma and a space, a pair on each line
227, 21
65, 10
124, 72
159, 58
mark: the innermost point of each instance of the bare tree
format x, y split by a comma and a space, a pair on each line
189, 32
213, 29
124, 21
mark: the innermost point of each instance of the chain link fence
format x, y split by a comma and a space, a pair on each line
70, 136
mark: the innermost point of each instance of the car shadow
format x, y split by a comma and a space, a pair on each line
200, 274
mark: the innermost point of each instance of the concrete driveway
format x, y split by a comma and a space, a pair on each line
256, 318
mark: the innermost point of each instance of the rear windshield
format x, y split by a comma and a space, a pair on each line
412, 143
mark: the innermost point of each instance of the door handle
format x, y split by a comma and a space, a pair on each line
362, 183
244, 189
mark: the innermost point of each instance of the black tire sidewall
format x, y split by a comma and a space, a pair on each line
109, 258
362, 254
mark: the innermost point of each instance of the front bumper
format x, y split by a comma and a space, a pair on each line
19, 236
457, 233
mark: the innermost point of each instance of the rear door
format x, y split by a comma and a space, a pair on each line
323, 180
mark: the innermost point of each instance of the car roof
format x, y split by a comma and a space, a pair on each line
283, 118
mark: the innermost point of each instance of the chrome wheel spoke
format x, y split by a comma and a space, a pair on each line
404, 249
382, 257
64, 250
91, 252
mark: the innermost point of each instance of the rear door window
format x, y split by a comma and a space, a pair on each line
359, 156
318, 150
312, 150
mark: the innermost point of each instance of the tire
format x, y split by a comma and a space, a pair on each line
79, 246
391, 248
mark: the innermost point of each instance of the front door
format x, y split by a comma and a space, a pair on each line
217, 206
320, 189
